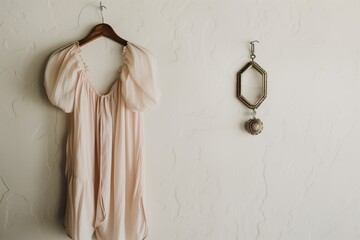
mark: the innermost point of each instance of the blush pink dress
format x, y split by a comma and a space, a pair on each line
104, 151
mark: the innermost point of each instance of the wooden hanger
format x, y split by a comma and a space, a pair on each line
104, 30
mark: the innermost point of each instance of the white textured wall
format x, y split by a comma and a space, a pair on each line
206, 178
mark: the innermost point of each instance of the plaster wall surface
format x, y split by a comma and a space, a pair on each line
206, 178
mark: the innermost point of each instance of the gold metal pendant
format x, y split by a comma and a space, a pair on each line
254, 125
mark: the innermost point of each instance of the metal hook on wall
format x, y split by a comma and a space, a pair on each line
252, 49
101, 11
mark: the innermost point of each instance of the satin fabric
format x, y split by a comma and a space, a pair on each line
104, 150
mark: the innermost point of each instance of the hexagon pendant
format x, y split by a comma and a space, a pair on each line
254, 125
240, 89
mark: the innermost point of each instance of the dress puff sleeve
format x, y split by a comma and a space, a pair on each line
138, 77
61, 75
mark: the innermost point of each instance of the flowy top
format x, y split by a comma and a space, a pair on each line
104, 149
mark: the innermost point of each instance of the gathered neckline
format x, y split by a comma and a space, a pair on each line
86, 69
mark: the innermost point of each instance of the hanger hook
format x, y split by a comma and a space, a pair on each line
101, 11
252, 49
